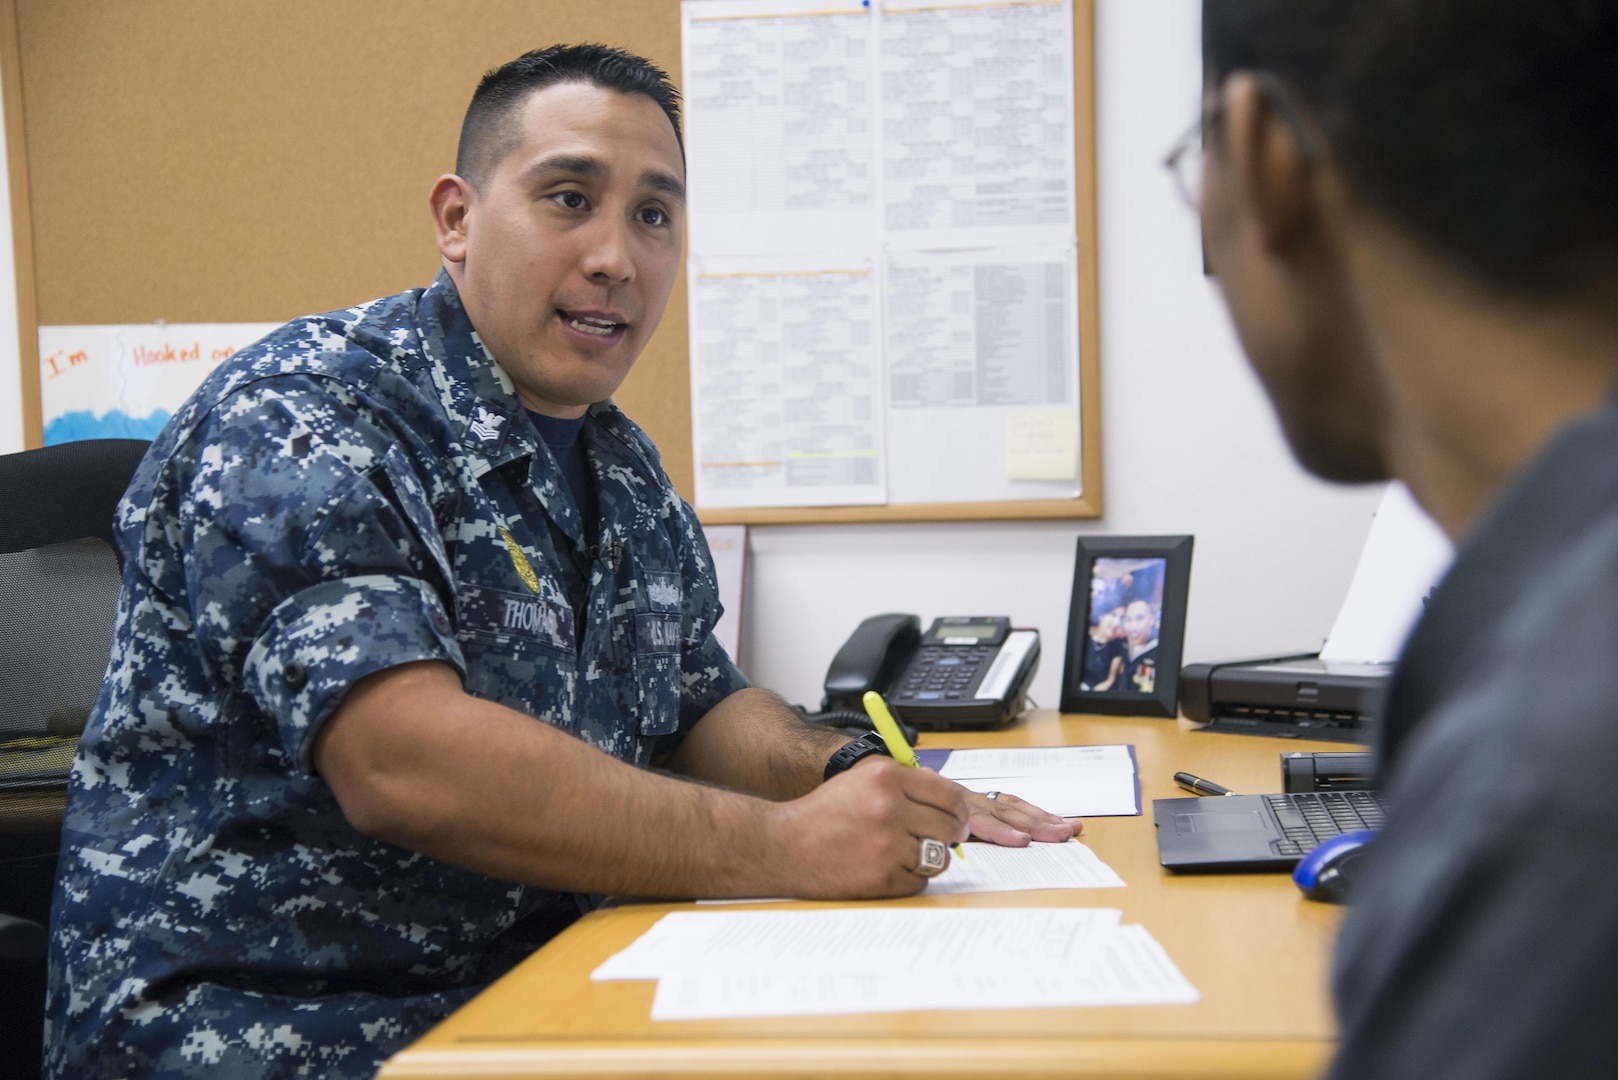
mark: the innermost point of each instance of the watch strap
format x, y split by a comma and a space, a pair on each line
854, 751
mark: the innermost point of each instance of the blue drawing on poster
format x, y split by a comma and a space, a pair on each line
73, 426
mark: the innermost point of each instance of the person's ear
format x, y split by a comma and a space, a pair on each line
451, 202
1269, 170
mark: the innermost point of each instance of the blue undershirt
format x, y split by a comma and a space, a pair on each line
566, 442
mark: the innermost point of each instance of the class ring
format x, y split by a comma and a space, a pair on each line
934, 856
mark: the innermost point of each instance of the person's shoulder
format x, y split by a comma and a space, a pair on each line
318, 353
617, 423
646, 483
306, 375
1534, 694
1566, 608
351, 344
634, 449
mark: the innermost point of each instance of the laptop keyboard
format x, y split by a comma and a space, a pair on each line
1307, 818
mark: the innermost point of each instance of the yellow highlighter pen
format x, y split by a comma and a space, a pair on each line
888, 728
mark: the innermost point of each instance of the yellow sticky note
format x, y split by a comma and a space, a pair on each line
1042, 443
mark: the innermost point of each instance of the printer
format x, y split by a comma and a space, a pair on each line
1298, 697
1334, 694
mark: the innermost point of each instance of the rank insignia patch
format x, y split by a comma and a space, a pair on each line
487, 429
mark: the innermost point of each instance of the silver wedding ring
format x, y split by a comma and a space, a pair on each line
934, 856
991, 795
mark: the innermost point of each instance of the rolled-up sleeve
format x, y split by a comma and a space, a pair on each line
311, 554
322, 640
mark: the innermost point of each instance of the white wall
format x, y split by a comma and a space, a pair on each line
10, 364
1190, 445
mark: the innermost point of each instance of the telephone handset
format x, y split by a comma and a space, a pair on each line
966, 671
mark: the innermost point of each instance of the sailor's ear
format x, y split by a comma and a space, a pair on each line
452, 201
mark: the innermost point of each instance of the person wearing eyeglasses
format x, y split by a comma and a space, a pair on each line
1411, 209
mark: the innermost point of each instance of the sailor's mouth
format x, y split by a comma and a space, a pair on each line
591, 324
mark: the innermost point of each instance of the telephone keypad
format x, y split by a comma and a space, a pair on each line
945, 672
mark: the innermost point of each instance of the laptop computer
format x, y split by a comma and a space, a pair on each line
1256, 832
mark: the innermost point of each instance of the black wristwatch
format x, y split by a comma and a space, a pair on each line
850, 752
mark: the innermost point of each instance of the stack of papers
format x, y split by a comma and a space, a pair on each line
1070, 781
731, 964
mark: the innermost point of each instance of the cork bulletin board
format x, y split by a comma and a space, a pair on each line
193, 161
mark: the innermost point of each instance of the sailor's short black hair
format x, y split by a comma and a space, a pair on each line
489, 131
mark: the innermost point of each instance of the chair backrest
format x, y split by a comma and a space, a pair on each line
59, 578
64, 492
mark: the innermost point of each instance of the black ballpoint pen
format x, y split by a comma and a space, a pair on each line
1199, 785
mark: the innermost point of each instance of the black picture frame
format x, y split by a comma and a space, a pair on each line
1165, 564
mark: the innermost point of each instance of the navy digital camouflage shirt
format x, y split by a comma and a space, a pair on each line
355, 491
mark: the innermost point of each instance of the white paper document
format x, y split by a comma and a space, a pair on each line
860, 941
1129, 968
786, 383
977, 119
983, 328
1070, 781
1405, 555
815, 125
1099, 795
991, 868
974, 339
1048, 761
712, 965
780, 100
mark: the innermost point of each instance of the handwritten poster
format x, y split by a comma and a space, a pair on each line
124, 382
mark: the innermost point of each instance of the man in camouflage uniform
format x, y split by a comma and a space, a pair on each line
315, 810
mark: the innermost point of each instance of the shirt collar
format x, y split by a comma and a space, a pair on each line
481, 403
467, 376
474, 389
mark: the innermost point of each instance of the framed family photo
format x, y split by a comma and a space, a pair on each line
1126, 625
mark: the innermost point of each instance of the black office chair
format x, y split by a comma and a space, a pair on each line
59, 574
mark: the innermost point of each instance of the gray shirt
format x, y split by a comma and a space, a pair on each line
1483, 938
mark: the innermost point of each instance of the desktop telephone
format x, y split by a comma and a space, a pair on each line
966, 671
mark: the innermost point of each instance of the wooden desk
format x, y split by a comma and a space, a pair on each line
1256, 950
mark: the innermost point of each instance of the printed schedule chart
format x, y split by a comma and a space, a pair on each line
884, 274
